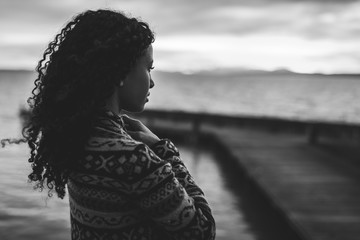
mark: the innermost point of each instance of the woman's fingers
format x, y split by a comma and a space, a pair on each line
126, 118
138, 131
132, 123
130, 120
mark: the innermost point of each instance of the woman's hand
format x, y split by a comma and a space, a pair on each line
138, 131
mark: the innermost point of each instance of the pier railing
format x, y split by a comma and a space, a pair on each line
312, 130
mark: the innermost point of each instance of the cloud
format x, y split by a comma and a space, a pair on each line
188, 53
316, 18
311, 20
194, 33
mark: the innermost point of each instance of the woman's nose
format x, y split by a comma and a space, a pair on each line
152, 84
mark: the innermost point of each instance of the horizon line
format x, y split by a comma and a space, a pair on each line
217, 71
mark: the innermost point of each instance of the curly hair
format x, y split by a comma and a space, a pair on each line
77, 73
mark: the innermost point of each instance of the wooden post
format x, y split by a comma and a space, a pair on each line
196, 124
312, 134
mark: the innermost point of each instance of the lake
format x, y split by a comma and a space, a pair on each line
26, 214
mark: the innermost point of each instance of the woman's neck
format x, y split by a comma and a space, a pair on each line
112, 103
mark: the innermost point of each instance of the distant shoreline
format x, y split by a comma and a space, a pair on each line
223, 72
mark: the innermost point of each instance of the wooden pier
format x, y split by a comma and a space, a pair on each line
315, 187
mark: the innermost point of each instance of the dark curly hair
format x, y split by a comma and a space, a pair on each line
77, 73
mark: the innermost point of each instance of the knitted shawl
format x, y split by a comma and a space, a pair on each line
124, 189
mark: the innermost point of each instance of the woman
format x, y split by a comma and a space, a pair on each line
123, 181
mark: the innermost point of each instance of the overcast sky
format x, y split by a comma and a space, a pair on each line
303, 36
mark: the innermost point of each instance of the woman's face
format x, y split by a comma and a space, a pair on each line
134, 93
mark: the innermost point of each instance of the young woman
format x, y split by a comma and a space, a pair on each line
123, 181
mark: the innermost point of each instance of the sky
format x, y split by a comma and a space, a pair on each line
306, 36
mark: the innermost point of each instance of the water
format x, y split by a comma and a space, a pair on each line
291, 96
26, 214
